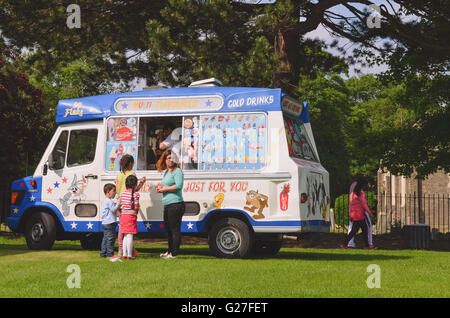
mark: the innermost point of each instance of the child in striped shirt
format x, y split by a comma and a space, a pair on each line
129, 201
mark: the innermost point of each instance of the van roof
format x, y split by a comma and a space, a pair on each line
179, 101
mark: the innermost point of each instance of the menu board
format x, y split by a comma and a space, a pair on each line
232, 142
121, 140
191, 135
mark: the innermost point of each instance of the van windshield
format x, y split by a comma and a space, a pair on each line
299, 144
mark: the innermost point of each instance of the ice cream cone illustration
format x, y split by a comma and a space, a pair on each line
112, 157
228, 161
209, 161
253, 161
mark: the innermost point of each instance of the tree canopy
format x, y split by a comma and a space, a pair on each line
398, 120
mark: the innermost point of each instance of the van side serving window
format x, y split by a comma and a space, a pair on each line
226, 142
82, 145
58, 155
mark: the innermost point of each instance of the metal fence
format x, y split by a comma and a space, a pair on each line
395, 211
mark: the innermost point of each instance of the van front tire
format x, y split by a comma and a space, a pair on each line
230, 238
40, 231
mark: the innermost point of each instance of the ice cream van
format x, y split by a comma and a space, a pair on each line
252, 173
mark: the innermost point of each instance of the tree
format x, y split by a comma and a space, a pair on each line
112, 34
22, 115
329, 106
71, 80
175, 41
374, 115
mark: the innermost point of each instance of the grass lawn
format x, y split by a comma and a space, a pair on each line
292, 273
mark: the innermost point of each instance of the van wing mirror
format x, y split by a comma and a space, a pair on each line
45, 169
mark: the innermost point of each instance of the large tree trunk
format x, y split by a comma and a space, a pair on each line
286, 45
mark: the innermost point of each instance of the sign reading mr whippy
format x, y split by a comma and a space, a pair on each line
168, 104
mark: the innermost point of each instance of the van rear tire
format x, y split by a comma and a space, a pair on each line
230, 238
40, 231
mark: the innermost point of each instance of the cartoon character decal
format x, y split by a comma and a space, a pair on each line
318, 199
256, 201
218, 200
75, 194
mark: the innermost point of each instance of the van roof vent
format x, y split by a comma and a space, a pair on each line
206, 83
154, 87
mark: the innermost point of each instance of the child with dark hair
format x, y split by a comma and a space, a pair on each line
171, 188
358, 207
109, 221
126, 169
351, 243
129, 201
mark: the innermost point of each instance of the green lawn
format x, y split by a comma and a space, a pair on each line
293, 273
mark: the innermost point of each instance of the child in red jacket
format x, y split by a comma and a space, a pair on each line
358, 206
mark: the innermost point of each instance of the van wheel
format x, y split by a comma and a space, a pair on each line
230, 238
92, 241
40, 231
266, 248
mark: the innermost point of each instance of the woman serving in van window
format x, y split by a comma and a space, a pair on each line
171, 189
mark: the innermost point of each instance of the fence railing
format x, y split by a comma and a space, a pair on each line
397, 210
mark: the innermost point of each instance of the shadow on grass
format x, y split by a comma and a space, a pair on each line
203, 251
15, 249
342, 256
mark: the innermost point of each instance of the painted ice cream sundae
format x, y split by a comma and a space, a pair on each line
112, 157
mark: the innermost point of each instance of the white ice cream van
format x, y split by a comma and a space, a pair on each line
251, 169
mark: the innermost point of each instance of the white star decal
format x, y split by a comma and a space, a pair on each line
32, 198
89, 225
74, 225
148, 225
190, 225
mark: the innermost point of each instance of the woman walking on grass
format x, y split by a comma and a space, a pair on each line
358, 207
171, 189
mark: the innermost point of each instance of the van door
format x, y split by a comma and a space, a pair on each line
72, 183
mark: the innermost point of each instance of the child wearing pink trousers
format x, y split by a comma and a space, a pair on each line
129, 201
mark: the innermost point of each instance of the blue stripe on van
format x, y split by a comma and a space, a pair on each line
186, 226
